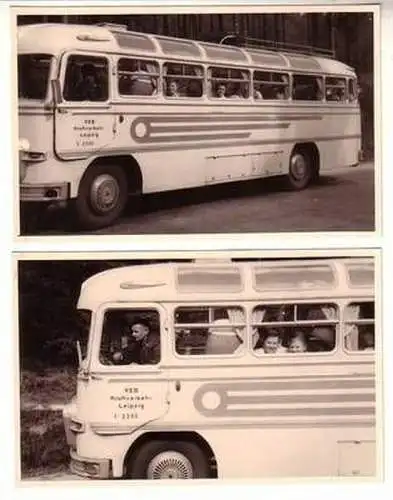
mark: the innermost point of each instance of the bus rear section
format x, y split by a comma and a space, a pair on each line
265, 370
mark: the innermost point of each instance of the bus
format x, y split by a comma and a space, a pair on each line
102, 110
226, 369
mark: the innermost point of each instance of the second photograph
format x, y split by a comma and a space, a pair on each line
262, 367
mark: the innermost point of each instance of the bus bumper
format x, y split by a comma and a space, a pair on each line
94, 468
47, 193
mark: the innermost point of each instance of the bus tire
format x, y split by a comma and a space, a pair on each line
102, 196
301, 170
169, 460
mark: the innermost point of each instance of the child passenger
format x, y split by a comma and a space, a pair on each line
270, 343
297, 343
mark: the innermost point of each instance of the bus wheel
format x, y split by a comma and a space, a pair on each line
169, 460
300, 170
102, 196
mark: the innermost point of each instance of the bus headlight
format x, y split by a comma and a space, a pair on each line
76, 426
24, 145
32, 156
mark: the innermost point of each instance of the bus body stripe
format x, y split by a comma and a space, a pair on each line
200, 128
304, 398
103, 428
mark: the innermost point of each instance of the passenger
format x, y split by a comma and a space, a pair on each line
270, 343
298, 343
88, 88
324, 338
221, 91
280, 93
366, 340
172, 89
144, 347
222, 338
257, 93
142, 83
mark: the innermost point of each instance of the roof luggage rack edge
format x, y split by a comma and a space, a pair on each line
290, 48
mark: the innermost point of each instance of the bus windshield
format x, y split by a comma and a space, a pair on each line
33, 76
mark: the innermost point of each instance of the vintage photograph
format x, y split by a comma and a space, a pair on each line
243, 367
248, 121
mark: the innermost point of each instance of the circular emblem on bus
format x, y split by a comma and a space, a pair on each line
210, 400
140, 130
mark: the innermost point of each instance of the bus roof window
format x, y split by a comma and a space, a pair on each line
223, 53
360, 275
208, 280
267, 58
289, 278
182, 48
303, 62
134, 41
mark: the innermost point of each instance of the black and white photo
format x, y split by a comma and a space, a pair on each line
229, 368
204, 122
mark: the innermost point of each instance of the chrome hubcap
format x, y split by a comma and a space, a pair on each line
298, 167
169, 465
104, 193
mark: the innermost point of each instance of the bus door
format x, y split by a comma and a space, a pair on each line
126, 374
83, 124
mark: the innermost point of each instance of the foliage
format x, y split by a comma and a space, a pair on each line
43, 442
47, 387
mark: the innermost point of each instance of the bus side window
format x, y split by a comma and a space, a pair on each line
229, 83
137, 77
294, 328
130, 336
270, 85
359, 334
183, 80
307, 88
335, 89
86, 79
204, 330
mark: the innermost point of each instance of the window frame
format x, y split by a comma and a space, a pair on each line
52, 64
63, 73
241, 350
336, 86
212, 80
165, 77
287, 86
157, 75
358, 322
317, 76
98, 334
334, 323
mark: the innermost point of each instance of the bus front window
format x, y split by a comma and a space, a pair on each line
33, 76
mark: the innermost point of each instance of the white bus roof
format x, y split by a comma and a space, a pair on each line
231, 281
56, 38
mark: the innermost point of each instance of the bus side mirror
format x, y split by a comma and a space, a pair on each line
56, 92
79, 353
